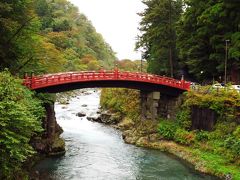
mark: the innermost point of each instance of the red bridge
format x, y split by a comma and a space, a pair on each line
53, 83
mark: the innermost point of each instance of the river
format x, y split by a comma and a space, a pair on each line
97, 152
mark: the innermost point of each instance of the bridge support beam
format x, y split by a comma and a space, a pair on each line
154, 105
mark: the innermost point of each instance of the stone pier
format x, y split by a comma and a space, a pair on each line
169, 106
154, 105
50, 120
149, 105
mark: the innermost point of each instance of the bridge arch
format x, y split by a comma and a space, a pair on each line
60, 82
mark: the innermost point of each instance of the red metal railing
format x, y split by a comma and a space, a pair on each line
38, 82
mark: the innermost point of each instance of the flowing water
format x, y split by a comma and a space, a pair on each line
97, 152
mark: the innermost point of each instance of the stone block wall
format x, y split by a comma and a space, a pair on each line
169, 105
154, 105
149, 105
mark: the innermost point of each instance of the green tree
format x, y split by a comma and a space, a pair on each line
18, 28
158, 37
20, 119
202, 31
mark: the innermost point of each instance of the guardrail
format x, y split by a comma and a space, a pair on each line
37, 82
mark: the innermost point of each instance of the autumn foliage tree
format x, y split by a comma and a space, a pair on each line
38, 36
47, 36
72, 34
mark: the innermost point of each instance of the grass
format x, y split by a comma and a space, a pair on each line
217, 164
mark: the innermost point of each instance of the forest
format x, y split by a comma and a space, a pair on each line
190, 37
49, 36
38, 36
200, 40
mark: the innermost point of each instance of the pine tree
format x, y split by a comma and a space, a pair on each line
158, 37
202, 33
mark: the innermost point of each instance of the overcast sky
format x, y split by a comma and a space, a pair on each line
117, 21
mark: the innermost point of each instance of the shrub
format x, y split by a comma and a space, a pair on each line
236, 133
222, 129
20, 119
184, 137
202, 136
167, 129
232, 143
224, 103
183, 118
125, 101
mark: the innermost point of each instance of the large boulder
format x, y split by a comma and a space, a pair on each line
110, 118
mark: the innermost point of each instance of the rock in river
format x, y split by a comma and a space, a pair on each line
94, 118
80, 114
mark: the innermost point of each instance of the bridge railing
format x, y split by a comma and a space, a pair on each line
36, 82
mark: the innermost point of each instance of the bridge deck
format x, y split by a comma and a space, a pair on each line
50, 80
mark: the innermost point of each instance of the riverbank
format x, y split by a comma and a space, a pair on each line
145, 134
208, 152
203, 162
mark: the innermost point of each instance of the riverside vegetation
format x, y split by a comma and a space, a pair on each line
216, 152
21, 113
39, 36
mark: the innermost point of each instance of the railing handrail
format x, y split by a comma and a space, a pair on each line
35, 82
